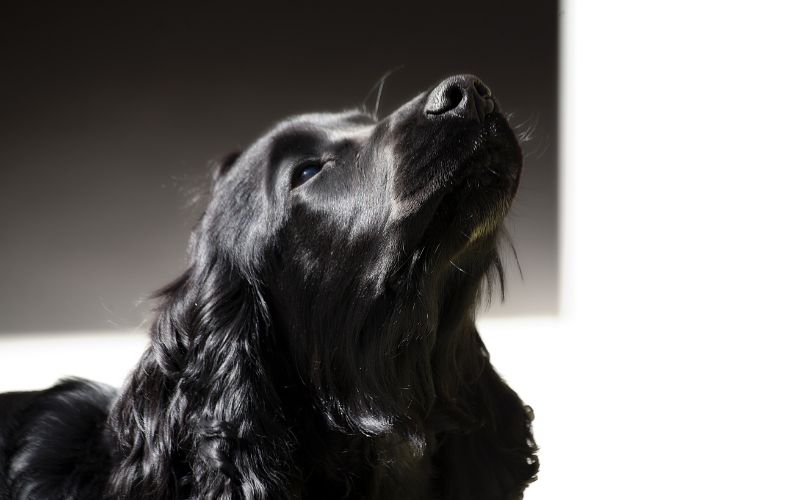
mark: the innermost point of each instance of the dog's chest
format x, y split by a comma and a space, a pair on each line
388, 468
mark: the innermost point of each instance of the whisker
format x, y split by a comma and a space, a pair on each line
533, 117
379, 86
454, 265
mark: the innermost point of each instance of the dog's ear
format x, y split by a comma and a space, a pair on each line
199, 416
221, 166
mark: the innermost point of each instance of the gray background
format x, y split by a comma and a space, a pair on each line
109, 116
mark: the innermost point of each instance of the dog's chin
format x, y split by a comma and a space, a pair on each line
471, 208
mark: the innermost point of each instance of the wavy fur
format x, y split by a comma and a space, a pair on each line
320, 344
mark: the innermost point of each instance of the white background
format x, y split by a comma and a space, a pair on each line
673, 370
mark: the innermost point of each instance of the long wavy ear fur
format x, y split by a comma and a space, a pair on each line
197, 418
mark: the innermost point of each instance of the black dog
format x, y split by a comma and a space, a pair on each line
321, 343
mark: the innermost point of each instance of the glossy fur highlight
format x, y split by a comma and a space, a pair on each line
321, 343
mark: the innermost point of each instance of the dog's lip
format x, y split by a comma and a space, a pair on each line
494, 163
491, 148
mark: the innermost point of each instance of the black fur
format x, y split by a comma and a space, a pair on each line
321, 343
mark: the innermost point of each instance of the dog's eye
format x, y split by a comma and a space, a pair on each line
306, 171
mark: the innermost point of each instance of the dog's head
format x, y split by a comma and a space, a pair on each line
369, 238
332, 284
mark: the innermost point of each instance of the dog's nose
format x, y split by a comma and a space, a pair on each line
462, 96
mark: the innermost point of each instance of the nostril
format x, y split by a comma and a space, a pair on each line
452, 97
482, 89
444, 99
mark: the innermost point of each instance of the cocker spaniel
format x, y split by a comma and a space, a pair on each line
321, 343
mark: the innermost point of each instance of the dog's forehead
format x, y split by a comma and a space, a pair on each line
331, 127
